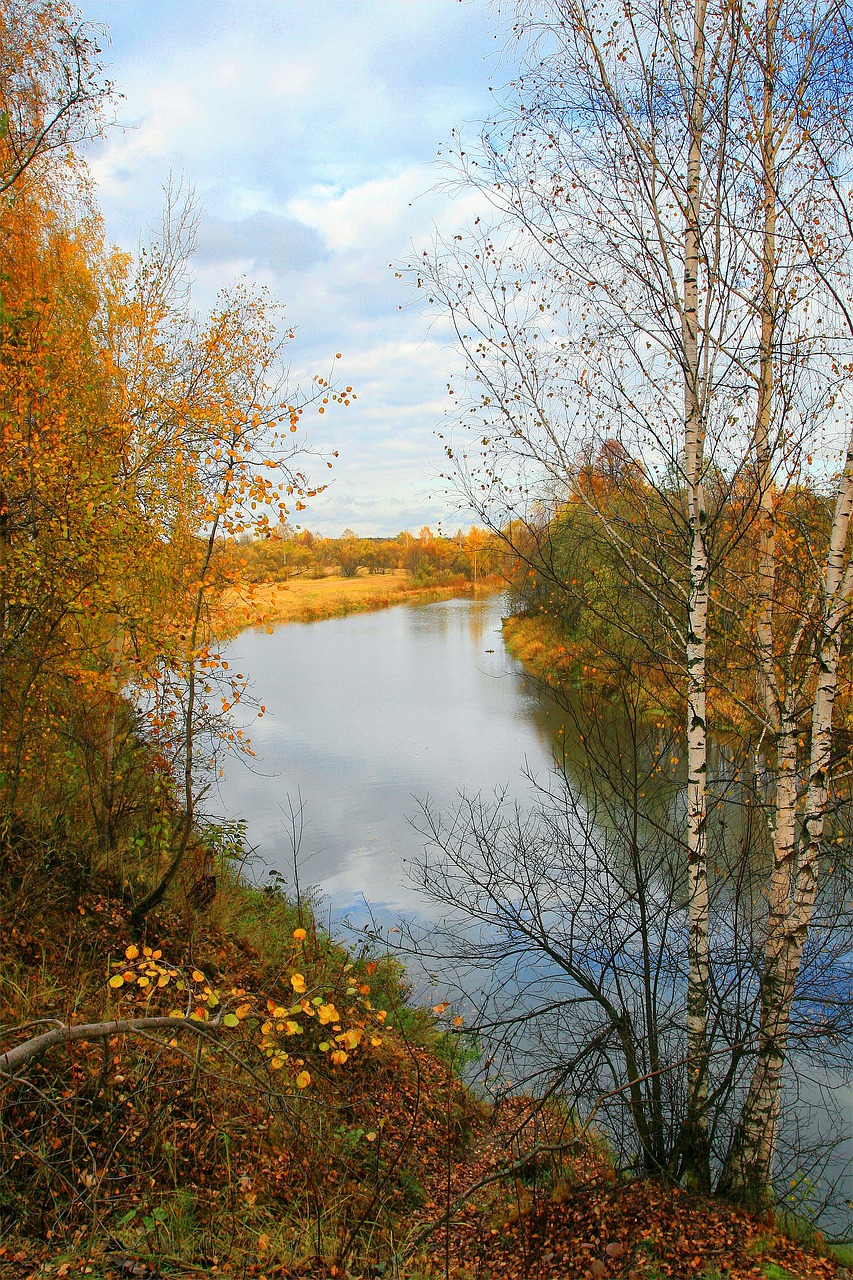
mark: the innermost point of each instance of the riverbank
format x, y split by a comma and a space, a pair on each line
351, 1150
314, 599
536, 643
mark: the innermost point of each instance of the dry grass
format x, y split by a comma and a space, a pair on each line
311, 599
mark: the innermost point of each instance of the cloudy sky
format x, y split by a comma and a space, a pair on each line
309, 130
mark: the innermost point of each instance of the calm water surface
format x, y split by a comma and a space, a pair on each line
368, 715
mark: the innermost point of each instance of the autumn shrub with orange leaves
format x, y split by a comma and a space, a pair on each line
134, 435
242, 1069
288, 1035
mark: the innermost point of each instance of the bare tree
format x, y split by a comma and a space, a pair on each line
566, 932
667, 267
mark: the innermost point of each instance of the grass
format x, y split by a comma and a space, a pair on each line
842, 1253
313, 599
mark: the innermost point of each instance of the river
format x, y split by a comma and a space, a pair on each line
366, 717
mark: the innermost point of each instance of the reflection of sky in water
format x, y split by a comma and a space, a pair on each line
367, 715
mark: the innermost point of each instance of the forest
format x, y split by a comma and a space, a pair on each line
653, 443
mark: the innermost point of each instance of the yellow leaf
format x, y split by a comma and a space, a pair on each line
328, 1013
117, 980
303, 1080
198, 976
132, 952
376, 1041
338, 1056
299, 934
297, 982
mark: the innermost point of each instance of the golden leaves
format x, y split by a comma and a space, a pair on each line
141, 977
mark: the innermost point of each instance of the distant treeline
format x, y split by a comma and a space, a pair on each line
429, 558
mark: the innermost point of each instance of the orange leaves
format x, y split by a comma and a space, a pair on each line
143, 975
336, 1027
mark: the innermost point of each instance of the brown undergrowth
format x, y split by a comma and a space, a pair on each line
141, 1157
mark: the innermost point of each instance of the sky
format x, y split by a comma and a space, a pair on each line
309, 131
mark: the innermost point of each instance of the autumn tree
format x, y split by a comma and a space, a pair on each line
52, 88
134, 435
664, 279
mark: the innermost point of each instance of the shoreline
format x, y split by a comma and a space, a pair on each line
302, 600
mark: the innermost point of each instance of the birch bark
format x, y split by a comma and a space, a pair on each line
696, 1151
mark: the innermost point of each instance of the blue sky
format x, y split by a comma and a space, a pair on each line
309, 131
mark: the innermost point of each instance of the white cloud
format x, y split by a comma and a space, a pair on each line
308, 128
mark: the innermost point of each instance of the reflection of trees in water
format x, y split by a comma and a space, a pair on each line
566, 926
479, 613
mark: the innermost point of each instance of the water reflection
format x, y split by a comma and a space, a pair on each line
367, 715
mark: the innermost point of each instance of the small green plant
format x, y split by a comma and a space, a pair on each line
842, 1251
652, 1270
772, 1271
799, 1228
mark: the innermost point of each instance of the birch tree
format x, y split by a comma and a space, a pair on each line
665, 238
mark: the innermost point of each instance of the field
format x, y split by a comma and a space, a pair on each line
311, 599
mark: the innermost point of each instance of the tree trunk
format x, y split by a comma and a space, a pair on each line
695, 1145
748, 1169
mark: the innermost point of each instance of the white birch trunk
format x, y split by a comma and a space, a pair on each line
696, 1170
749, 1165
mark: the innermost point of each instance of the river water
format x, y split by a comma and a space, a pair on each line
368, 716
